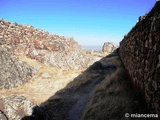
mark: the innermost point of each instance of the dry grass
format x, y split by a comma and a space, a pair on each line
58, 105
39, 89
114, 94
54, 90
81, 80
114, 60
112, 98
87, 76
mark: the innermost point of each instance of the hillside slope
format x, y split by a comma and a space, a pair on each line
11, 68
34, 62
51, 49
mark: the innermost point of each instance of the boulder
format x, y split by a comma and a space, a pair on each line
15, 107
12, 72
3, 116
108, 47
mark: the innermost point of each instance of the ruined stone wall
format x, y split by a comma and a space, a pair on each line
51, 49
27, 36
140, 52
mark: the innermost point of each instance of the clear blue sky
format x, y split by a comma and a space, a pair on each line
90, 22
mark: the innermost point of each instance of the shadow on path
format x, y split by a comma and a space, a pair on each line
68, 103
84, 94
73, 102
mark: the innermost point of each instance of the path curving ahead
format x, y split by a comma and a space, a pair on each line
84, 93
68, 104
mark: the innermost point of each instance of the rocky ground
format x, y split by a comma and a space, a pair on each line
50, 49
68, 103
26, 82
96, 94
34, 65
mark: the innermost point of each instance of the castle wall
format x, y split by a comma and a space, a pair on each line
140, 52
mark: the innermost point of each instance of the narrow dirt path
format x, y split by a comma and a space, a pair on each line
83, 94
68, 104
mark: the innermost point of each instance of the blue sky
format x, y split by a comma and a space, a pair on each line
90, 22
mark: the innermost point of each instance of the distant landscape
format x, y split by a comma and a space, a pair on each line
96, 48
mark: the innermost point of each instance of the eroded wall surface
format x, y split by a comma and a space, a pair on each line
51, 49
140, 52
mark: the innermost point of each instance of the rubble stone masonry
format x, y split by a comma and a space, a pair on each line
140, 52
51, 49
26, 37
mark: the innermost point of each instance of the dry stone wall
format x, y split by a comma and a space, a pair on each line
51, 49
140, 52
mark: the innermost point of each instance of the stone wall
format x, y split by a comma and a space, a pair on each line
140, 52
27, 35
51, 49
